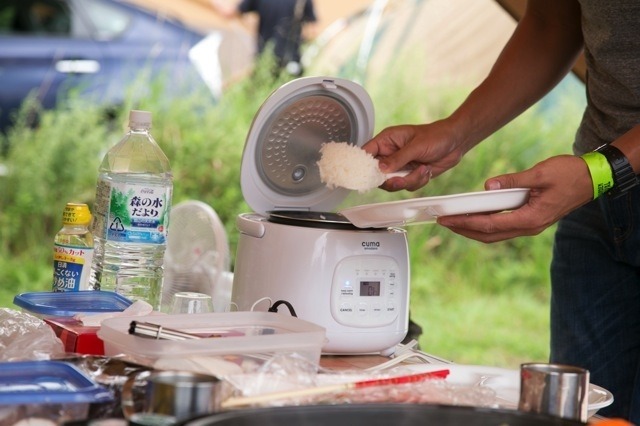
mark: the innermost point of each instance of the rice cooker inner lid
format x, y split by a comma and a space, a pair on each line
279, 170
313, 219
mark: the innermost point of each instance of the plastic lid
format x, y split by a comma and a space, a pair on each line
279, 170
76, 214
139, 119
48, 382
70, 303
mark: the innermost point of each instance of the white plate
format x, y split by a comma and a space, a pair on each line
504, 382
404, 212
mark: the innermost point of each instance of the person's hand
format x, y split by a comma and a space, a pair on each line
557, 185
427, 150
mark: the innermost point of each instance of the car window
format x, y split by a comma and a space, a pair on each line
108, 20
35, 17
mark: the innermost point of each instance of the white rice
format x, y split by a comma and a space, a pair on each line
348, 166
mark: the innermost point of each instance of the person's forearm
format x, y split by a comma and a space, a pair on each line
540, 53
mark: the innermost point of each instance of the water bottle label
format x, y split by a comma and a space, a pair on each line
138, 213
71, 268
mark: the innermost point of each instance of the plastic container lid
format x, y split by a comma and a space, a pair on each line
70, 303
279, 170
48, 382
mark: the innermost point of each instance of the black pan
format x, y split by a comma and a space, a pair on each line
378, 415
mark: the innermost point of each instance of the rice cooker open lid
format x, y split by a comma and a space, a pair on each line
279, 170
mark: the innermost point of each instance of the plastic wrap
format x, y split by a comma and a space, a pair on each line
427, 392
112, 373
279, 373
26, 337
287, 375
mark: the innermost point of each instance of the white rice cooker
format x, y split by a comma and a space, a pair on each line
292, 250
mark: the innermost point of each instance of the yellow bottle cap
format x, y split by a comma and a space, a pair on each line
76, 214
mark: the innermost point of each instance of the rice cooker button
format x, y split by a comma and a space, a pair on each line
363, 308
376, 309
391, 307
346, 308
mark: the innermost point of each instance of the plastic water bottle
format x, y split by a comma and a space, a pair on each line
133, 200
73, 250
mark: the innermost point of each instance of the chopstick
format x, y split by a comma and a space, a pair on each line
249, 400
158, 332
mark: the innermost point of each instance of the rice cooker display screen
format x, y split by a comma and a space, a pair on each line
369, 288
367, 291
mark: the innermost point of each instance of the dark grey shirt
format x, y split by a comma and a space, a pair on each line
611, 32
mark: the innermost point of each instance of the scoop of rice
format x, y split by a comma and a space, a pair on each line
349, 166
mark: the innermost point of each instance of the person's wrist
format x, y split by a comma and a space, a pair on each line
624, 178
461, 132
600, 171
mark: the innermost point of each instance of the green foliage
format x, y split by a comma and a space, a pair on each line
47, 167
477, 303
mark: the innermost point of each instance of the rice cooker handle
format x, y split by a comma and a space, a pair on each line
251, 226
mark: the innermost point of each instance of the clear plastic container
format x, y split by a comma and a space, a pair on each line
73, 249
236, 333
133, 201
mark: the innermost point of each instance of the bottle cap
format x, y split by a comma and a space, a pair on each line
76, 214
139, 119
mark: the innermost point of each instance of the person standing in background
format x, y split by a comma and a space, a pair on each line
280, 27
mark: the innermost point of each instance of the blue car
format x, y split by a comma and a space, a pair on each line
99, 47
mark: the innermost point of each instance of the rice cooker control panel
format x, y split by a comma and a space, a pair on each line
366, 291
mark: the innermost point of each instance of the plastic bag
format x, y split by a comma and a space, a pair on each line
25, 337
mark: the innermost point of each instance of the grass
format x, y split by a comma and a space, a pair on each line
477, 303
481, 304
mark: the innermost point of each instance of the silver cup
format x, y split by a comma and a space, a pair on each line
554, 389
170, 396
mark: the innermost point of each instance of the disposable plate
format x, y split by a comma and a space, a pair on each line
427, 209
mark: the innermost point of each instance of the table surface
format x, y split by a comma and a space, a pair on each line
351, 362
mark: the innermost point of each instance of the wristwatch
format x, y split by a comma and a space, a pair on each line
624, 178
